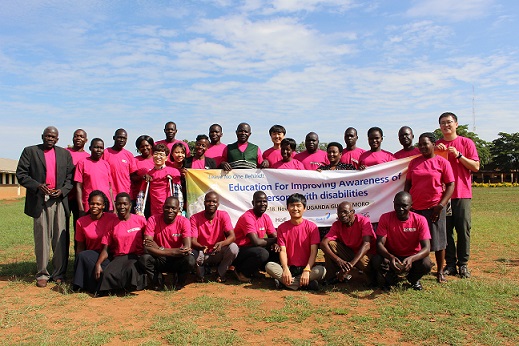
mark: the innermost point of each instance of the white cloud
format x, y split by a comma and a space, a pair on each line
451, 10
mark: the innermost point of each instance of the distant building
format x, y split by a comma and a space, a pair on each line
9, 187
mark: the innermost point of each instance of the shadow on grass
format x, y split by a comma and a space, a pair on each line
507, 261
23, 271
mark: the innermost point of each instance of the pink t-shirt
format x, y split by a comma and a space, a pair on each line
209, 232
298, 240
143, 166
171, 144
352, 236
372, 158
292, 164
250, 223
462, 175
401, 154
122, 163
272, 156
427, 177
169, 236
198, 164
77, 155
217, 152
50, 166
403, 237
160, 187
352, 156
125, 236
313, 161
94, 175
91, 232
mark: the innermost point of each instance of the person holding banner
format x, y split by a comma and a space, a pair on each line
159, 185
403, 245
351, 153
288, 148
273, 154
213, 238
242, 154
350, 243
375, 155
298, 240
426, 177
216, 148
334, 153
250, 231
313, 157
199, 160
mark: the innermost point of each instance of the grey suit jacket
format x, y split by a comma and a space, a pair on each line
31, 172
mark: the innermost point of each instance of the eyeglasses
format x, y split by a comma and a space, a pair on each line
444, 123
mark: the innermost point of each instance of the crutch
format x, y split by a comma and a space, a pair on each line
143, 207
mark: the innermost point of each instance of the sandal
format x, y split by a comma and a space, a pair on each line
440, 277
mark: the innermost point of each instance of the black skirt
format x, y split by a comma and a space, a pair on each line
123, 273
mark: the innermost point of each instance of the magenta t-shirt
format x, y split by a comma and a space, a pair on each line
143, 166
352, 236
272, 156
427, 177
77, 155
462, 175
292, 164
298, 240
91, 232
125, 236
171, 144
372, 158
122, 163
403, 237
50, 165
217, 152
352, 156
401, 154
160, 187
209, 232
169, 236
312, 162
198, 164
94, 175
250, 223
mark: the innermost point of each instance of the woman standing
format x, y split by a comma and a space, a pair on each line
334, 152
375, 155
122, 244
430, 182
90, 230
144, 162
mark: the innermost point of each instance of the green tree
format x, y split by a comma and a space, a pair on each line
505, 151
190, 144
482, 146
301, 146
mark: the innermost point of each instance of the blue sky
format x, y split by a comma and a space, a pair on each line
309, 65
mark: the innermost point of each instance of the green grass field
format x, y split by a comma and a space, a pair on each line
483, 310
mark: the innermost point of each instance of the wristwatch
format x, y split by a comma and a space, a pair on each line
161, 248
459, 155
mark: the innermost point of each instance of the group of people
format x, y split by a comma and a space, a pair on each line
147, 233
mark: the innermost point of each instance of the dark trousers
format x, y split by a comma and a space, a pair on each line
458, 252
155, 266
387, 276
250, 259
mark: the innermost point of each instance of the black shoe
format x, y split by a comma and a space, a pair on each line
464, 272
278, 285
417, 286
313, 286
450, 270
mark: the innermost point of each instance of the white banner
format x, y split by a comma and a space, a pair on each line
370, 191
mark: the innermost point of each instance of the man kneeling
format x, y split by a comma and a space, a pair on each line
167, 240
299, 240
403, 244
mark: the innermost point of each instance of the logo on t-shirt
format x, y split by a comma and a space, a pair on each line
409, 229
135, 229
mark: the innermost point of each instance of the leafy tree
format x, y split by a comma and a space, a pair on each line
482, 146
301, 146
505, 151
190, 144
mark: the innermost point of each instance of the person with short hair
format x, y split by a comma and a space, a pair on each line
170, 130
242, 154
167, 241
121, 161
405, 137
45, 170
351, 153
250, 231
351, 242
144, 163
375, 155
334, 152
199, 160
288, 148
430, 182
464, 159
122, 245
216, 149
273, 154
298, 239
403, 244
91, 174
313, 157
213, 238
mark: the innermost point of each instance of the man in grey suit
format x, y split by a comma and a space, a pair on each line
45, 170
